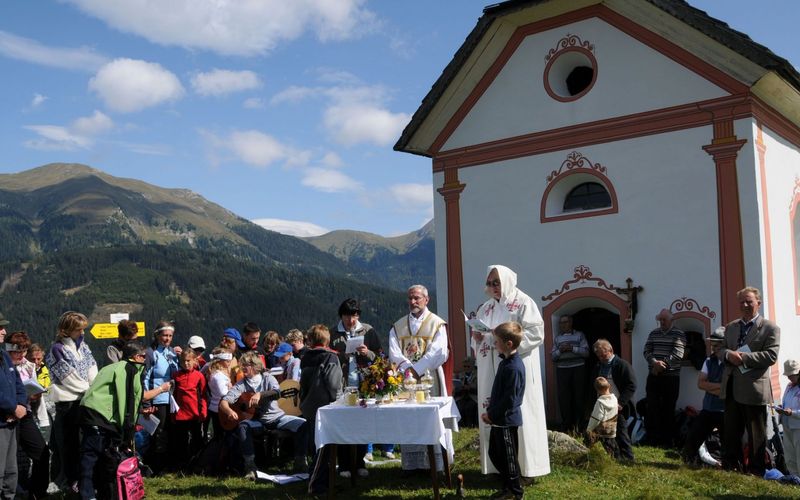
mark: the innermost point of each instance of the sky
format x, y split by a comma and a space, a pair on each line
284, 112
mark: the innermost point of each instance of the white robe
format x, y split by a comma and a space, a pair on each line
413, 456
514, 305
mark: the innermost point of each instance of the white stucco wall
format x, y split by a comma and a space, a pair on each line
631, 78
782, 161
664, 236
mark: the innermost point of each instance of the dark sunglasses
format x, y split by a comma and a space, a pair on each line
493, 283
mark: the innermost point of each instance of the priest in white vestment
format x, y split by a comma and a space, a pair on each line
418, 342
508, 303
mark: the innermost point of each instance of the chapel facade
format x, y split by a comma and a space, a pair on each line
622, 156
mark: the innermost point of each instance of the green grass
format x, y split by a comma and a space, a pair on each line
656, 473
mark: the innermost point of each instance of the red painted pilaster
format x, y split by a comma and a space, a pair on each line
724, 149
451, 191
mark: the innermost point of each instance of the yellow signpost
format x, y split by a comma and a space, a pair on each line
109, 330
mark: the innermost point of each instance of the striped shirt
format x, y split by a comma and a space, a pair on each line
578, 353
667, 347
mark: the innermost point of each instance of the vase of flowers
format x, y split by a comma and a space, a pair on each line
379, 379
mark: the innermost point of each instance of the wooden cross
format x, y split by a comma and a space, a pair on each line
630, 292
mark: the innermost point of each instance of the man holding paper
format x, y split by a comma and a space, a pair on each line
357, 344
751, 347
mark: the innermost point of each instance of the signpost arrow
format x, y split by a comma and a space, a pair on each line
109, 330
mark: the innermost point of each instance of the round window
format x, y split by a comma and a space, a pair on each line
570, 74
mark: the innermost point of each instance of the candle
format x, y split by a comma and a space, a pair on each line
420, 396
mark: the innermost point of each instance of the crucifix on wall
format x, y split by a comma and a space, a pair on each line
631, 293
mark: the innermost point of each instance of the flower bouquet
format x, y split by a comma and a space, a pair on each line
379, 379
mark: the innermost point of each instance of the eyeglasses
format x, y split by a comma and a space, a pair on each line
493, 283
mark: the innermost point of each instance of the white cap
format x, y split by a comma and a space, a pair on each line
197, 342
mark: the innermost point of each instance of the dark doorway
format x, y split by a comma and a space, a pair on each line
598, 323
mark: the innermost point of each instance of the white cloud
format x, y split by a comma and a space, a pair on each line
256, 148
351, 124
301, 229
331, 159
330, 181
80, 134
294, 94
38, 100
419, 196
233, 27
127, 85
222, 81
26, 49
92, 125
254, 103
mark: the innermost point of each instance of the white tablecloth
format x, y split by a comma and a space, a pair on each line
397, 423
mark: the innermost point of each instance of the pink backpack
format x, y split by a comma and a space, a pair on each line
130, 485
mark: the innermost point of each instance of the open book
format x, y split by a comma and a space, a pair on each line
476, 324
32, 387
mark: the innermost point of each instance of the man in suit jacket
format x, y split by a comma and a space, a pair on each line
750, 348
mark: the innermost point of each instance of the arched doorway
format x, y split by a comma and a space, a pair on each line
596, 312
598, 323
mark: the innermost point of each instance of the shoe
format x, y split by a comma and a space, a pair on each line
345, 474
250, 476
362, 472
390, 455
368, 457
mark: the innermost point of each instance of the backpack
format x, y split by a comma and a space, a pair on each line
130, 485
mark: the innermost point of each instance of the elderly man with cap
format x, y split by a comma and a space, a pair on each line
712, 415
790, 416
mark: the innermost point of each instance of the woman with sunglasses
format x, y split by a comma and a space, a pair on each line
509, 303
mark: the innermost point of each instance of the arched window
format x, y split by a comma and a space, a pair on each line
587, 196
578, 188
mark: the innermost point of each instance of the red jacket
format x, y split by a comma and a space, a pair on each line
190, 394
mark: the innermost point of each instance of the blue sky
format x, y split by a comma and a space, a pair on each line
274, 109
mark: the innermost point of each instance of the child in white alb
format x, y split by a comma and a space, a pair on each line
603, 422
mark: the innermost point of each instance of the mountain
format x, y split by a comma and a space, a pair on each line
78, 238
398, 261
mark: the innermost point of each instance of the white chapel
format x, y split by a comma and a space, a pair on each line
622, 156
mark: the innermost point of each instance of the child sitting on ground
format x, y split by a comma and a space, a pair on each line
603, 422
504, 413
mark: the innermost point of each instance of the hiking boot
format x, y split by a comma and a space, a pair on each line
390, 455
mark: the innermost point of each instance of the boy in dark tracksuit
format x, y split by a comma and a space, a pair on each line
504, 413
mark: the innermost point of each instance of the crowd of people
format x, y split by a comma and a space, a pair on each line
68, 422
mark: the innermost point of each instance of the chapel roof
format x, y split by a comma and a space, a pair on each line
698, 19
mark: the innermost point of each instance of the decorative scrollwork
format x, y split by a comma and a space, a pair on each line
567, 42
690, 305
581, 275
575, 160
795, 193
